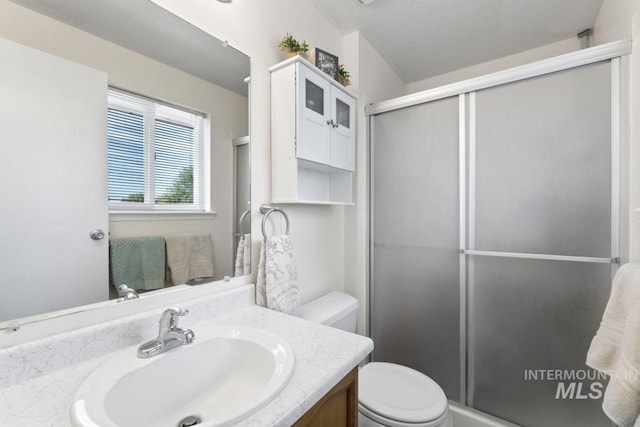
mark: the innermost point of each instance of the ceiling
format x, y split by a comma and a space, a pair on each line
150, 30
425, 38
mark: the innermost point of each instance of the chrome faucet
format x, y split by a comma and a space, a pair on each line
126, 293
169, 336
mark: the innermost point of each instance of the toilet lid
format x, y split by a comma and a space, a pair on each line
400, 393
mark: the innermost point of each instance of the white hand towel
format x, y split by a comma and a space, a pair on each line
246, 254
190, 256
615, 349
243, 256
277, 284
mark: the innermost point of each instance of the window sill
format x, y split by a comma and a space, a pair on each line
159, 216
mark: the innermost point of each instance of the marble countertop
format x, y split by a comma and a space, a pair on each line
38, 380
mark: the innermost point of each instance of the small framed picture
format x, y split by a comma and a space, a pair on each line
327, 62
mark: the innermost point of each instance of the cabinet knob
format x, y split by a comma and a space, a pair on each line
330, 122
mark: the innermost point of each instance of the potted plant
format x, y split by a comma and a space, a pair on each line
293, 47
343, 76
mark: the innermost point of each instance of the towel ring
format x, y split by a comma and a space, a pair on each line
240, 221
268, 210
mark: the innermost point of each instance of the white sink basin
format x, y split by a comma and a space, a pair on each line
225, 375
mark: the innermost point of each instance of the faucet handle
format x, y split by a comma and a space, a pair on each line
169, 318
177, 311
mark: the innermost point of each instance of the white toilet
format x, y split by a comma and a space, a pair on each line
388, 394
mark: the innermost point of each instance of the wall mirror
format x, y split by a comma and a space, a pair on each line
56, 162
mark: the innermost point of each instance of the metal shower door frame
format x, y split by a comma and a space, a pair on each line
618, 80
618, 54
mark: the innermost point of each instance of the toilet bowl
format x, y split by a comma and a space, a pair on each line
388, 394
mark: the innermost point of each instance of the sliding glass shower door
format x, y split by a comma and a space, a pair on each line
495, 233
540, 234
416, 219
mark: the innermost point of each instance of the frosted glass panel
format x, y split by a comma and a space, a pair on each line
543, 181
542, 184
342, 114
416, 237
535, 315
416, 176
314, 97
416, 306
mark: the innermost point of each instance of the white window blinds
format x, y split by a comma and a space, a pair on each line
154, 155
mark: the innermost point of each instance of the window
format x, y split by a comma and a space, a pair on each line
155, 155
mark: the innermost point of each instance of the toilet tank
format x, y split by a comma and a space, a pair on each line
333, 309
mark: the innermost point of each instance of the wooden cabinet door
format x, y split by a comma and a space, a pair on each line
337, 408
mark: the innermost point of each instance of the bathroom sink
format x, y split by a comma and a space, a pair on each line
225, 375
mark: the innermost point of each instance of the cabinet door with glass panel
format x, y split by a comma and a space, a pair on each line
326, 114
343, 132
314, 117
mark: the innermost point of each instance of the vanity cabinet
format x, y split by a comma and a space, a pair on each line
312, 135
337, 408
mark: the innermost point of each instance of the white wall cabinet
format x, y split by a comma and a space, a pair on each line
312, 135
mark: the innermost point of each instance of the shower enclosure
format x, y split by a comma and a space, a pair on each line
498, 217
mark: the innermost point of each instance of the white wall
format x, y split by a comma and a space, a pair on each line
521, 58
634, 136
614, 20
256, 28
373, 80
129, 70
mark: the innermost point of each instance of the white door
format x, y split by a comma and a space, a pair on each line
54, 183
314, 114
343, 131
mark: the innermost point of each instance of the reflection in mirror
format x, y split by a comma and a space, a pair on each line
146, 180
242, 214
